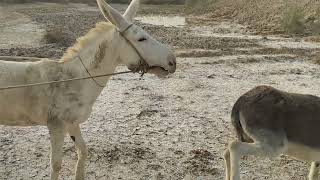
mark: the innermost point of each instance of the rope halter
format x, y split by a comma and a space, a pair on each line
143, 66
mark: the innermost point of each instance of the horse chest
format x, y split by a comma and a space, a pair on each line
71, 110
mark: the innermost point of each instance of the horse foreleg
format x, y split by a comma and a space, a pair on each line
56, 131
75, 134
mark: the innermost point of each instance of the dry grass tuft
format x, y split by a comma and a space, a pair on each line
58, 36
273, 16
313, 39
292, 20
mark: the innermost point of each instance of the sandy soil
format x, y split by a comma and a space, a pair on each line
172, 128
14, 27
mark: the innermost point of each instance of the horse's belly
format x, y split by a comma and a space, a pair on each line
20, 122
20, 119
16, 110
303, 152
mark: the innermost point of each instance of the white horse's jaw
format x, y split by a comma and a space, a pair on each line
158, 71
168, 68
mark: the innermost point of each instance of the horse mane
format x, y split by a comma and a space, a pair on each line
94, 33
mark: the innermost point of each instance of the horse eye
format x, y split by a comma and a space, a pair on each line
142, 39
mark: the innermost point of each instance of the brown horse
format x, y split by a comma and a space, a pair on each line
270, 122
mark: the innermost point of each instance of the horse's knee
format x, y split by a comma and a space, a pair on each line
56, 167
82, 149
313, 175
84, 152
233, 146
226, 155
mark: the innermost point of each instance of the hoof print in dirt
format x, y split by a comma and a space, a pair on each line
146, 113
201, 163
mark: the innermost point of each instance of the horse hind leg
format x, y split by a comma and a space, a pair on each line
268, 145
227, 164
314, 171
75, 134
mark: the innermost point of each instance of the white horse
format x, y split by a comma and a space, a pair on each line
63, 106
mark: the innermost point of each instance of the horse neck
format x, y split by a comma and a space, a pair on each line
98, 54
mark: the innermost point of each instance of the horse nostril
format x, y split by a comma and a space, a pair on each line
171, 64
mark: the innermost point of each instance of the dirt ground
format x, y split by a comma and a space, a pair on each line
172, 128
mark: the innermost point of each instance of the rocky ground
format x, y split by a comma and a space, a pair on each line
150, 128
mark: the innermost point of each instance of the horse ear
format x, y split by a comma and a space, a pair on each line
112, 15
132, 10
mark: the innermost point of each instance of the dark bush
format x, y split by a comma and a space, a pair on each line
58, 36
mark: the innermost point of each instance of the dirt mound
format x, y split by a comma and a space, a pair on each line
268, 16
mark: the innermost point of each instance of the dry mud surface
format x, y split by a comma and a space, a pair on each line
172, 128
